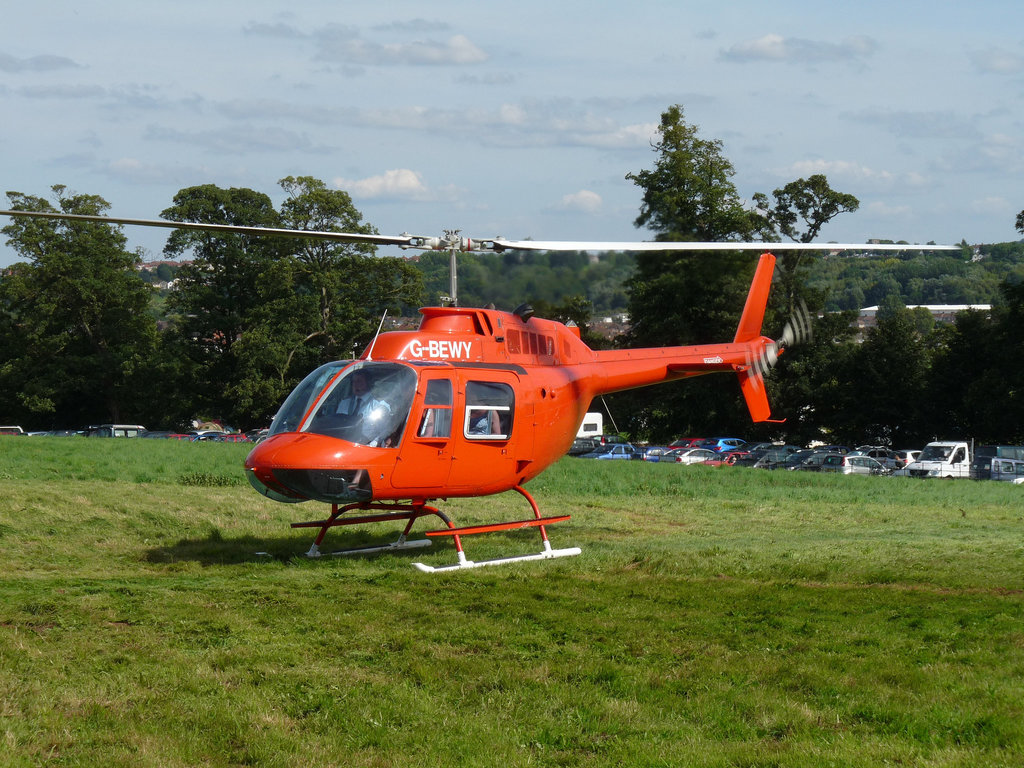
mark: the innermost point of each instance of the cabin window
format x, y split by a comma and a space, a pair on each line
512, 338
489, 408
437, 410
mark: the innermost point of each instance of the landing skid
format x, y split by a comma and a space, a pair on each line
402, 543
410, 513
547, 554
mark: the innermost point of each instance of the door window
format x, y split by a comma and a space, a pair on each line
489, 409
437, 410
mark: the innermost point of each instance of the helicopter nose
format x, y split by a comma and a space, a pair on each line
294, 467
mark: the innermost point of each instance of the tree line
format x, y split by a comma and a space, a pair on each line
80, 340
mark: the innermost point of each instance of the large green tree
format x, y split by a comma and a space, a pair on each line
678, 297
254, 313
229, 288
76, 340
798, 211
352, 287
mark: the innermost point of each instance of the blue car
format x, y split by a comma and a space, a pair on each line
612, 451
722, 444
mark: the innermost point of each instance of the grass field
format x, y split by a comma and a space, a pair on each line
717, 617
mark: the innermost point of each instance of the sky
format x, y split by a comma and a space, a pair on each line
519, 120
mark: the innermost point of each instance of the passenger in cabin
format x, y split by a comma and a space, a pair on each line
484, 422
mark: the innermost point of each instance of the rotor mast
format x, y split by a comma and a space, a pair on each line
454, 246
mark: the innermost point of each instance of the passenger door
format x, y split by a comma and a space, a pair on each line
425, 456
484, 423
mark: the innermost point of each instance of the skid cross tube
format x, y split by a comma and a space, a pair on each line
408, 512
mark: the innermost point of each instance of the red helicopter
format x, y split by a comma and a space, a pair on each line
474, 402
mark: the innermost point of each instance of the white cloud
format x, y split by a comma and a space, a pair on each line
41, 63
994, 205
626, 136
886, 211
773, 47
583, 201
396, 184
998, 61
342, 44
841, 168
906, 124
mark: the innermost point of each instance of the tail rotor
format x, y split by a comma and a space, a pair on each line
796, 331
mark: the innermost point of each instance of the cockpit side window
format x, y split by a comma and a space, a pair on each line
368, 404
489, 409
436, 421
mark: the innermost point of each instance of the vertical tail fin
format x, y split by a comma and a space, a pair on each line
753, 311
749, 329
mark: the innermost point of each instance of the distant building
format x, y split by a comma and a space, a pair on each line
943, 313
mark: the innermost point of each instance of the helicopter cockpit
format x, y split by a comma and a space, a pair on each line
366, 403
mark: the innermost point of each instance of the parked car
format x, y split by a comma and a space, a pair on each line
582, 445
721, 444
850, 464
686, 442
774, 457
653, 452
115, 430
749, 457
816, 461
907, 456
733, 458
611, 451
883, 455
795, 459
831, 448
753, 445
691, 456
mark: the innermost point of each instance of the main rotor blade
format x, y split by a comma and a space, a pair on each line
451, 240
344, 237
560, 245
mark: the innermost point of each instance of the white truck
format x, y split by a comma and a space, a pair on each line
943, 458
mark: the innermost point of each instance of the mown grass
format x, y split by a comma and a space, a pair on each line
715, 618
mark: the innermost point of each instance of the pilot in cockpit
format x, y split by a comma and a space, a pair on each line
366, 413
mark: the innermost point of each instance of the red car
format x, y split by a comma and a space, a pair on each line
685, 442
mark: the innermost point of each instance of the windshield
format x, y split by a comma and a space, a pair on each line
935, 453
289, 417
367, 404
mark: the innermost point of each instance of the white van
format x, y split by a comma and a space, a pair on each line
115, 430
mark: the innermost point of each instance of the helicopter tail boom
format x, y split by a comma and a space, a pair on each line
749, 355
